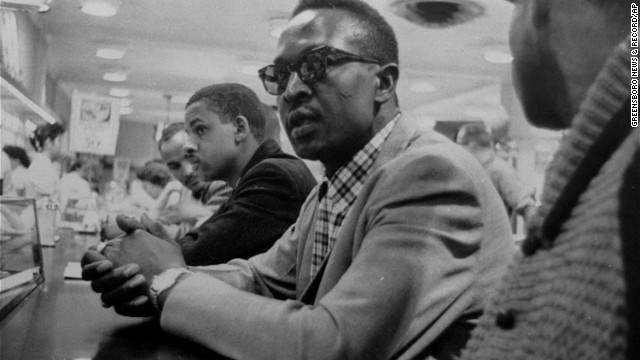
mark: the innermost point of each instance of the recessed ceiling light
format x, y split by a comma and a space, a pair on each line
277, 30
126, 110
119, 92
110, 53
125, 102
251, 70
498, 57
422, 87
40, 6
180, 99
115, 76
102, 8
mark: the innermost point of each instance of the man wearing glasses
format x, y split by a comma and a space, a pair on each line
393, 254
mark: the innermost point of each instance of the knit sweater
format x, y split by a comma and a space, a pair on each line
573, 291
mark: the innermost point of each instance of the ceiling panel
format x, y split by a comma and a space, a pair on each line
175, 47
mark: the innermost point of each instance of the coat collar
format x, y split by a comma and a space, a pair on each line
266, 149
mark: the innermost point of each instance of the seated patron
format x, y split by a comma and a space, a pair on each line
199, 199
227, 142
19, 162
158, 183
392, 255
73, 185
518, 198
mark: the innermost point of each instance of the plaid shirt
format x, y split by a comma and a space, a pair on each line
336, 195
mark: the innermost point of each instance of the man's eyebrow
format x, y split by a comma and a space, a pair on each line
192, 121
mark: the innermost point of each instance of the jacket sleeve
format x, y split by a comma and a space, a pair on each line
263, 205
413, 271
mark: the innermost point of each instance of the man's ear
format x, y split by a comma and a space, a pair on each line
387, 80
241, 128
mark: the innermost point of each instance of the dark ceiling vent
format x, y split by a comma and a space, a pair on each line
437, 14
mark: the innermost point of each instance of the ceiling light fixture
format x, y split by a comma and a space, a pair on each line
422, 87
101, 8
180, 99
126, 110
119, 92
277, 22
110, 53
251, 69
498, 56
115, 76
27, 5
277, 30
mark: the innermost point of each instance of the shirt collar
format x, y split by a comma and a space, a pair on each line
354, 173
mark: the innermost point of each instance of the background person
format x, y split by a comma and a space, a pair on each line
19, 175
518, 198
73, 185
44, 179
199, 199
573, 294
158, 183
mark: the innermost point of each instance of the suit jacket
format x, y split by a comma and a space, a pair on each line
264, 203
414, 260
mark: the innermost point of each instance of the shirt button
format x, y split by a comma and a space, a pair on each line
506, 320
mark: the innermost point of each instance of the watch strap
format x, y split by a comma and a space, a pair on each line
164, 281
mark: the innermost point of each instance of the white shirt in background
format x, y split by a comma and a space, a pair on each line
73, 186
43, 178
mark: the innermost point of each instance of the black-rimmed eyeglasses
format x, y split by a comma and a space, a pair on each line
311, 67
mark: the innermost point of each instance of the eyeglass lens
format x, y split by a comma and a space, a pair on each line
310, 68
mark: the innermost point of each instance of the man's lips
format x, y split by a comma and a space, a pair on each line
302, 123
195, 162
303, 130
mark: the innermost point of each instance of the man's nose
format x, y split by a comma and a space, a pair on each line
189, 148
296, 88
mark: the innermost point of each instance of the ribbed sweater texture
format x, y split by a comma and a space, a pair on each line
570, 299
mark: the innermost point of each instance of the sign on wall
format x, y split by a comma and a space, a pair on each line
94, 124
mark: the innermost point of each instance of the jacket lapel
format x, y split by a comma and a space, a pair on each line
399, 139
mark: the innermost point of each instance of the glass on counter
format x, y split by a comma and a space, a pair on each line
47, 216
21, 269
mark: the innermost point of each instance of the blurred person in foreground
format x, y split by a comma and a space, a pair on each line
44, 178
573, 294
518, 198
392, 254
19, 163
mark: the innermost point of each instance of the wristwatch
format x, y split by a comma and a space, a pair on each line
164, 281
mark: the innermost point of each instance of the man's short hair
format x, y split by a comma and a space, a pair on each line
231, 100
474, 132
155, 172
378, 41
170, 131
